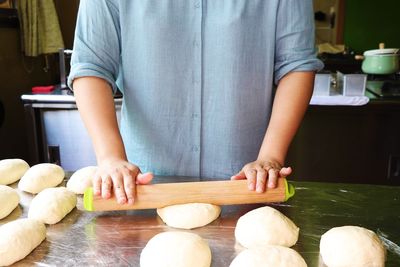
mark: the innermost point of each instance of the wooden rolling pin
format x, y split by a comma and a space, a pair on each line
213, 192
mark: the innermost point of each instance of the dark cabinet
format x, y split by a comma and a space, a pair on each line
349, 144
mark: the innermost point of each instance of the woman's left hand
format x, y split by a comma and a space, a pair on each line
259, 172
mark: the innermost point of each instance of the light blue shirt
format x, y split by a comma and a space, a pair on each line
196, 75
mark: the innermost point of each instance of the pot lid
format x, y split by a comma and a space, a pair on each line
386, 51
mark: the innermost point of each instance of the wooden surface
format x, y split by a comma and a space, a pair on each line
213, 192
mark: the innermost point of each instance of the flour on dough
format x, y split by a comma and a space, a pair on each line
274, 256
52, 205
19, 238
11, 170
189, 216
265, 226
41, 176
177, 249
81, 179
352, 246
9, 200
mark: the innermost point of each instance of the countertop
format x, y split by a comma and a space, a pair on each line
65, 96
117, 238
58, 96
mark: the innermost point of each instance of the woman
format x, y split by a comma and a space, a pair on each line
197, 78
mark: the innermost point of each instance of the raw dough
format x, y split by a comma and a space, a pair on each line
266, 226
177, 249
274, 256
41, 176
9, 200
11, 170
81, 179
19, 238
188, 216
352, 246
52, 205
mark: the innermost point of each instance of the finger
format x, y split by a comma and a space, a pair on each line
106, 187
272, 178
251, 178
118, 186
129, 185
261, 180
285, 171
96, 181
239, 176
144, 178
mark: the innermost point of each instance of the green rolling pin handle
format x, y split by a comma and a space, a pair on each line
289, 190
88, 199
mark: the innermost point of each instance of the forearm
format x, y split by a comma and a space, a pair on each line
96, 105
291, 101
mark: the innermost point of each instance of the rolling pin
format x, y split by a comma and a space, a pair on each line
214, 192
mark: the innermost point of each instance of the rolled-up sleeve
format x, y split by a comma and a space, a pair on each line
96, 50
295, 39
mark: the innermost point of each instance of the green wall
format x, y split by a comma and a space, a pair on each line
369, 22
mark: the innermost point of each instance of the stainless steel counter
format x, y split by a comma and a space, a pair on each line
117, 238
63, 98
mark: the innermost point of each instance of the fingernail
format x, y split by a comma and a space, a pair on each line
251, 186
130, 201
259, 189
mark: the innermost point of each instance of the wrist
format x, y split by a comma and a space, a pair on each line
275, 159
272, 150
109, 150
110, 157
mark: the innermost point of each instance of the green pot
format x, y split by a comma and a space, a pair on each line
380, 61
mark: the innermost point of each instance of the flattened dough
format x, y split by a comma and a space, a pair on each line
273, 256
189, 216
41, 176
352, 246
9, 200
11, 170
265, 226
19, 238
52, 205
177, 249
81, 179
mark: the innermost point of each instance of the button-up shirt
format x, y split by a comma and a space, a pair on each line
196, 75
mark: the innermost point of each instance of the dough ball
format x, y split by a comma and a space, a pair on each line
188, 216
177, 249
273, 256
352, 246
11, 170
41, 176
265, 226
9, 200
19, 238
81, 179
52, 205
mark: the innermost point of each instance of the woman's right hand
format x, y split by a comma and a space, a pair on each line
121, 177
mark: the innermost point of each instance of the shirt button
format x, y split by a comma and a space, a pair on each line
195, 116
195, 148
195, 43
197, 4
